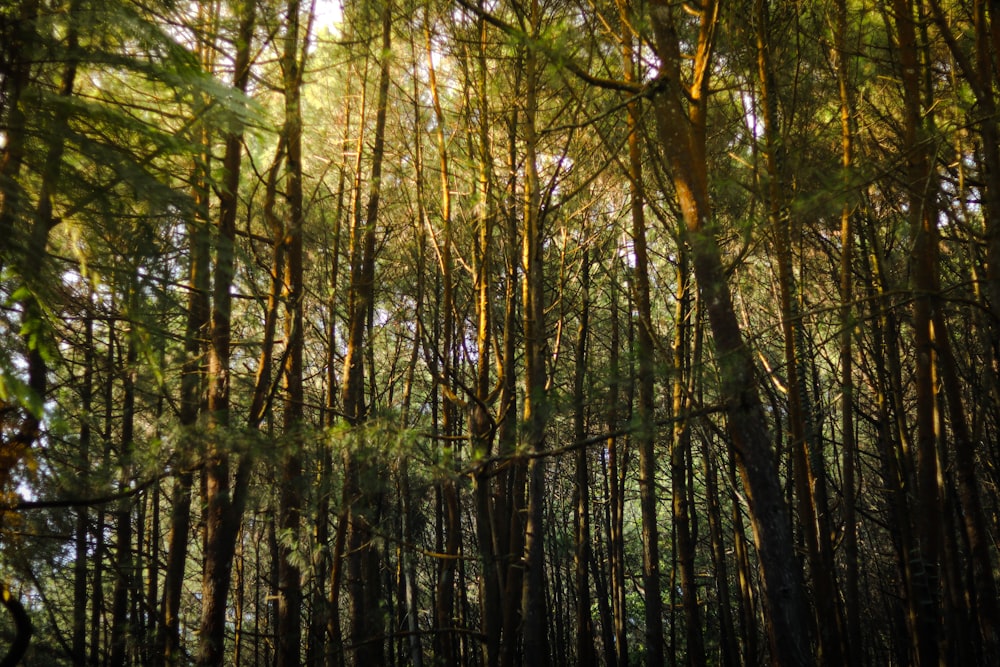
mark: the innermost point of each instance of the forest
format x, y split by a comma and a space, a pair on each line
499, 332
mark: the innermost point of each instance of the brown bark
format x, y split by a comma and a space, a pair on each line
224, 499
584, 639
445, 638
852, 612
893, 438
535, 409
680, 470
168, 648
617, 467
681, 124
80, 584
510, 484
363, 560
807, 455
482, 423
983, 593
125, 568
290, 599
919, 183
645, 431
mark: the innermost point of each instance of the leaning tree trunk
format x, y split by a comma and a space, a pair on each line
681, 124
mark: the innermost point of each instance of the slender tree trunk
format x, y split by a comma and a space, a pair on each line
510, 482
616, 473
407, 564
98, 624
645, 431
893, 439
444, 638
585, 653
482, 423
681, 471
923, 230
168, 649
810, 484
850, 453
224, 498
981, 77
536, 623
80, 585
363, 563
122, 631
682, 140
290, 599
334, 652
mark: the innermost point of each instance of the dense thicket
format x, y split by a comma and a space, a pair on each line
526, 332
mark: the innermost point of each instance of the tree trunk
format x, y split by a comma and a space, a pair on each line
224, 499
850, 451
80, 584
482, 423
168, 650
535, 625
645, 430
681, 472
617, 467
807, 457
682, 140
585, 654
444, 637
363, 562
122, 630
289, 627
510, 482
986, 606
923, 229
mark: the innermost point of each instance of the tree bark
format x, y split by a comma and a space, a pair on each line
585, 654
290, 599
224, 499
645, 431
535, 415
920, 186
807, 455
682, 139
444, 637
363, 561
850, 450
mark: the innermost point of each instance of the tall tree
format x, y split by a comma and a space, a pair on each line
363, 560
645, 432
224, 497
289, 592
809, 471
535, 625
682, 124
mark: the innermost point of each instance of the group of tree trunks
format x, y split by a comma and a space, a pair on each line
339, 337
